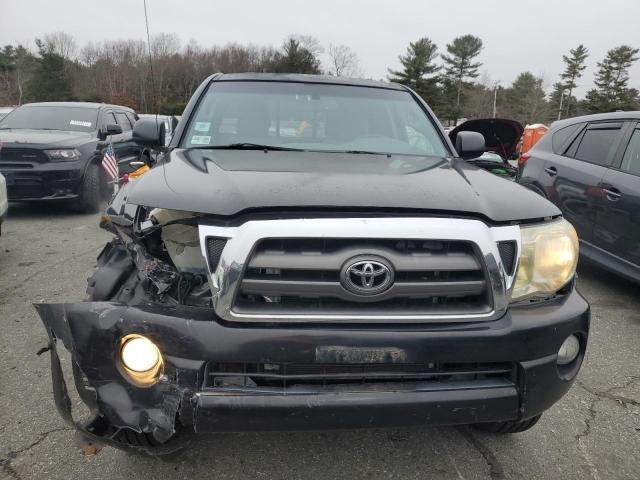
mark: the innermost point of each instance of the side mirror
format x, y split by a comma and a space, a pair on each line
470, 144
113, 129
110, 129
148, 134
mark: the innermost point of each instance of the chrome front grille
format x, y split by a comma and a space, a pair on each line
20, 155
294, 270
293, 275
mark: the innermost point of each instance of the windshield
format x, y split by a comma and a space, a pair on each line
46, 117
313, 117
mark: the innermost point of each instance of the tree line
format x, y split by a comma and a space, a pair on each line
448, 82
120, 72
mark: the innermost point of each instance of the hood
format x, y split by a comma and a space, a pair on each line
501, 135
44, 138
227, 183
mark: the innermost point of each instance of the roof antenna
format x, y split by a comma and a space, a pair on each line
153, 87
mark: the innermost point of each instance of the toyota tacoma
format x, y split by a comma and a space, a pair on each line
312, 252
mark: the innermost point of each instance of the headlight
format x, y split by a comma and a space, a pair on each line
140, 359
66, 154
548, 259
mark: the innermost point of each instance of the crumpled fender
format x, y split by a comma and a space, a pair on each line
91, 331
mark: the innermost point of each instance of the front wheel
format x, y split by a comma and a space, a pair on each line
92, 190
508, 427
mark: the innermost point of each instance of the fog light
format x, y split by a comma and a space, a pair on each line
140, 359
569, 350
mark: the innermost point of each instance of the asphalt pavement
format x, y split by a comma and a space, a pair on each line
46, 253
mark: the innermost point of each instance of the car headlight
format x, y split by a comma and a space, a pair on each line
67, 154
548, 259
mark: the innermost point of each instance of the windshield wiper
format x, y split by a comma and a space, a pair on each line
363, 152
248, 146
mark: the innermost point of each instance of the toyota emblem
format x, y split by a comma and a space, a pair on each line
367, 275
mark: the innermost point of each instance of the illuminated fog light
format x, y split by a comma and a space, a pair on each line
569, 350
140, 359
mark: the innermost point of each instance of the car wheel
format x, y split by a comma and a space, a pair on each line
91, 190
508, 427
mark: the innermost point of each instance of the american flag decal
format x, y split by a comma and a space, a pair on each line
109, 162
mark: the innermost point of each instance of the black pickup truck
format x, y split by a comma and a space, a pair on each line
314, 252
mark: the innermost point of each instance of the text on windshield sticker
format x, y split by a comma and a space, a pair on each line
202, 126
80, 123
200, 140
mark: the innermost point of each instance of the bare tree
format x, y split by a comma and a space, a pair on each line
309, 42
343, 61
61, 43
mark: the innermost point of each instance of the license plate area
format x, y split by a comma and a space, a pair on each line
360, 355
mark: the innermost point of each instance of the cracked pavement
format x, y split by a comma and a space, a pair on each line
593, 433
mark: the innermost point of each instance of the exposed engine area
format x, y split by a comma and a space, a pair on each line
156, 260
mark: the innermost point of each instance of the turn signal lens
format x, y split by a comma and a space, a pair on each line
141, 359
548, 259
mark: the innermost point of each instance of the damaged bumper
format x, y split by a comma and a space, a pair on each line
221, 378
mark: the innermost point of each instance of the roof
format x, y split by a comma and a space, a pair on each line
304, 78
633, 115
76, 104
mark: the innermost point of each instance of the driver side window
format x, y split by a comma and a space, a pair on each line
109, 119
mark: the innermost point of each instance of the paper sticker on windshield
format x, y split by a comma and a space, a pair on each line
202, 126
200, 140
79, 123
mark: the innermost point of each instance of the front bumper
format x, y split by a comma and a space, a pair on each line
191, 339
43, 181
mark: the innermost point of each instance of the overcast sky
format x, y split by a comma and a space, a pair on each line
517, 35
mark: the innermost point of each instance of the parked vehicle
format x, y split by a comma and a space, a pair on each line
590, 168
4, 202
168, 121
4, 111
501, 137
53, 151
494, 163
312, 253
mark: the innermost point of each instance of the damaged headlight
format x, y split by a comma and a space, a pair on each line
140, 359
181, 240
548, 259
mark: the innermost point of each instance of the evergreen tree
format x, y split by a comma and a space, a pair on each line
526, 99
50, 81
574, 67
295, 58
419, 71
558, 101
612, 92
16, 66
459, 66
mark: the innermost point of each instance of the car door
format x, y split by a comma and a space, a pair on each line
117, 141
127, 150
617, 228
573, 177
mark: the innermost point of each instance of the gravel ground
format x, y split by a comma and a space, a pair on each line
592, 433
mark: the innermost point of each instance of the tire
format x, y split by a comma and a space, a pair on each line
91, 190
508, 427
